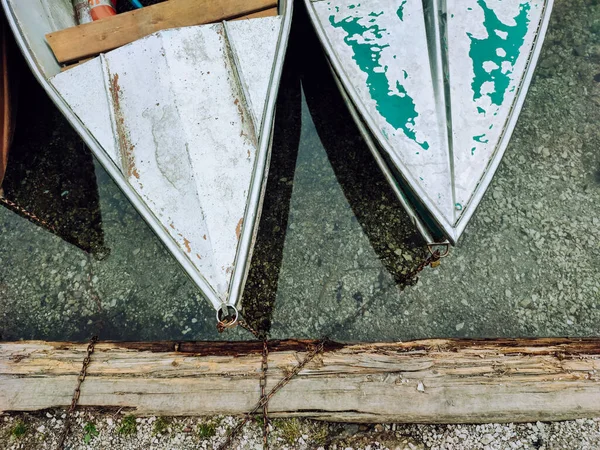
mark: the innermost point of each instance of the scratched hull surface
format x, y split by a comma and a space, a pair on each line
182, 120
439, 85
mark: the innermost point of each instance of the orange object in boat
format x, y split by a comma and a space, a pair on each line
6, 116
101, 9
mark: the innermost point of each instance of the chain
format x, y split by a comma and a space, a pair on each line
86, 361
264, 366
32, 217
77, 392
265, 400
93, 293
432, 260
247, 327
263, 384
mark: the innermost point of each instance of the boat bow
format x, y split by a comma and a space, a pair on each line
439, 85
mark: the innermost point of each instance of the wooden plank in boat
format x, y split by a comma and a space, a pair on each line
82, 41
271, 12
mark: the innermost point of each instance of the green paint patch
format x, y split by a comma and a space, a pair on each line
400, 11
481, 139
397, 108
502, 44
480, 110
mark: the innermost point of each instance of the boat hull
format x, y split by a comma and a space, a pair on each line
44, 67
424, 85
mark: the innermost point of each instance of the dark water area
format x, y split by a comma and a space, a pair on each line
334, 245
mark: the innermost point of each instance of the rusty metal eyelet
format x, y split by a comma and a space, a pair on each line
227, 316
435, 246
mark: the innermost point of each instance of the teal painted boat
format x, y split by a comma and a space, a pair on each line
436, 87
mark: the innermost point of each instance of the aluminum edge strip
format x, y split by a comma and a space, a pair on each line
252, 216
109, 165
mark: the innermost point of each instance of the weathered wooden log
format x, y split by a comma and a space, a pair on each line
429, 381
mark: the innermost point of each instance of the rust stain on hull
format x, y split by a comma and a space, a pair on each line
236, 102
238, 228
125, 146
187, 246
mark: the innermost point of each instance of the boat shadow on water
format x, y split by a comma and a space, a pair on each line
374, 205
50, 177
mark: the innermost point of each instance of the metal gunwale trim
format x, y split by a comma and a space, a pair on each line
238, 303
510, 123
109, 165
441, 221
252, 216
387, 173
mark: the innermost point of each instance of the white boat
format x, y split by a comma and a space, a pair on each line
436, 87
182, 120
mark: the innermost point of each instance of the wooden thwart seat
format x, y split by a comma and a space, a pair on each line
90, 39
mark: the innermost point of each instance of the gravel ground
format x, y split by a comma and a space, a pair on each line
116, 430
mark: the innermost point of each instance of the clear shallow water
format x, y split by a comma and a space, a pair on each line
333, 242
